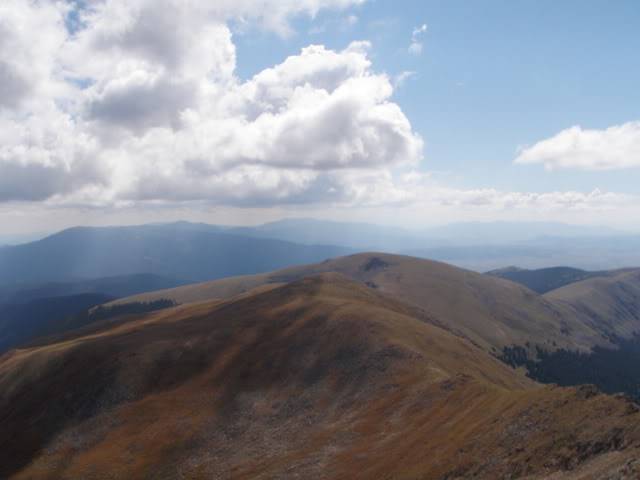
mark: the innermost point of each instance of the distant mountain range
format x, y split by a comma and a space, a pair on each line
360, 236
477, 246
474, 245
366, 236
186, 252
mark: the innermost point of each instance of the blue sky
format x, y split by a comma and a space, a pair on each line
493, 75
247, 111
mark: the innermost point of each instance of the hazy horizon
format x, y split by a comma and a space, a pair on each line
25, 237
350, 110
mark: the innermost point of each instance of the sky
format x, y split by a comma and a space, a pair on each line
412, 113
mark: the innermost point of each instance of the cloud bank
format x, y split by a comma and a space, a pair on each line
121, 102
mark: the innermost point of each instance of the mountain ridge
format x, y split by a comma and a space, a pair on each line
321, 376
491, 311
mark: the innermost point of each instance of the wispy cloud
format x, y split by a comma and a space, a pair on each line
400, 79
416, 45
342, 24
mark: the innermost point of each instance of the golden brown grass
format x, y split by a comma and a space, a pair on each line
319, 378
489, 311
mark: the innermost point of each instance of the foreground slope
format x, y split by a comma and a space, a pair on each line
319, 378
489, 311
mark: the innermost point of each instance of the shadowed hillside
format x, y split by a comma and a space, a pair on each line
117, 287
22, 322
544, 280
30, 311
610, 304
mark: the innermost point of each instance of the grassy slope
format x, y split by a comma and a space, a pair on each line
321, 378
490, 311
611, 304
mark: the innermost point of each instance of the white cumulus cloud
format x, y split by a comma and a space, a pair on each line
616, 147
140, 102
